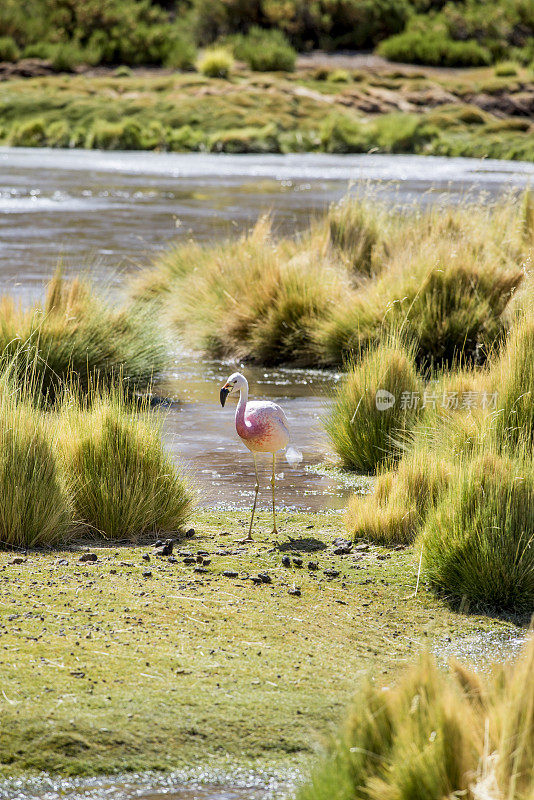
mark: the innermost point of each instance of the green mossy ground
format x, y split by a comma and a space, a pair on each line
104, 670
467, 112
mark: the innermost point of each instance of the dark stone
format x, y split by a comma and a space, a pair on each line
200, 569
165, 549
172, 560
190, 533
286, 561
331, 573
256, 580
264, 577
297, 562
145, 557
313, 565
294, 591
342, 547
190, 560
230, 573
20, 560
88, 557
362, 547
147, 573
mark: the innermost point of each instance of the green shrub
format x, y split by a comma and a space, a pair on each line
126, 484
265, 50
506, 69
36, 506
433, 734
123, 72
374, 408
429, 47
339, 76
181, 53
216, 63
8, 49
340, 134
478, 542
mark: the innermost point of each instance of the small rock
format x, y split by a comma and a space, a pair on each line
159, 543
147, 573
63, 562
172, 560
264, 577
113, 572
342, 547
331, 573
145, 557
206, 561
294, 591
256, 580
88, 557
200, 569
383, 556
313, 566
164, 549
190, 533
297, 562
200, 559
19, 560
230, 573
190, 560
286, 561
362, 547
341, 602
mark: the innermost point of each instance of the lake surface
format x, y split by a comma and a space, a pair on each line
110, 213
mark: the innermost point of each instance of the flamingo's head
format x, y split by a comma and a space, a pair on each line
235, 383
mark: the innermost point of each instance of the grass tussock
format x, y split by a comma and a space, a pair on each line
126, 483
401, 499
255, 298
435, 734
75, 335
36, 506
90, 465
358, 230
478, 541
373, 408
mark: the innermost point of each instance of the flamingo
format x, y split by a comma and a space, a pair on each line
262, 426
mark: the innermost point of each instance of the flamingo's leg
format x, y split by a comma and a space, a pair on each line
275, 530
256, 489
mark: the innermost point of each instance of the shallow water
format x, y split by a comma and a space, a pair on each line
111, 212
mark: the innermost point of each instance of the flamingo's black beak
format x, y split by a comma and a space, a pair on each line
225, 391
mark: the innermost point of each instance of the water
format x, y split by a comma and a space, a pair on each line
112, 212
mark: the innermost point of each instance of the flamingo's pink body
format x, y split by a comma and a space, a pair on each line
261, 425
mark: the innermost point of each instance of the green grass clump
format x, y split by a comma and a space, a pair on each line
514, 424
430, 47
216, 63
265, 50
478, 542
8, 49
397, 508
36, 507
364, 431
506, 69
74, 336
435, 734
126, 484
254, 297
357, 229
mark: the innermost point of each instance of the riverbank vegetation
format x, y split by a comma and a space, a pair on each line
155, 33
436, 734
473, 113
228, 669
348, 283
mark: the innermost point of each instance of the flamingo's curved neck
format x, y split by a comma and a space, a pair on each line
242, 404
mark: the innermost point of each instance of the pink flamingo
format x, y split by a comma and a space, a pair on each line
262, 426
